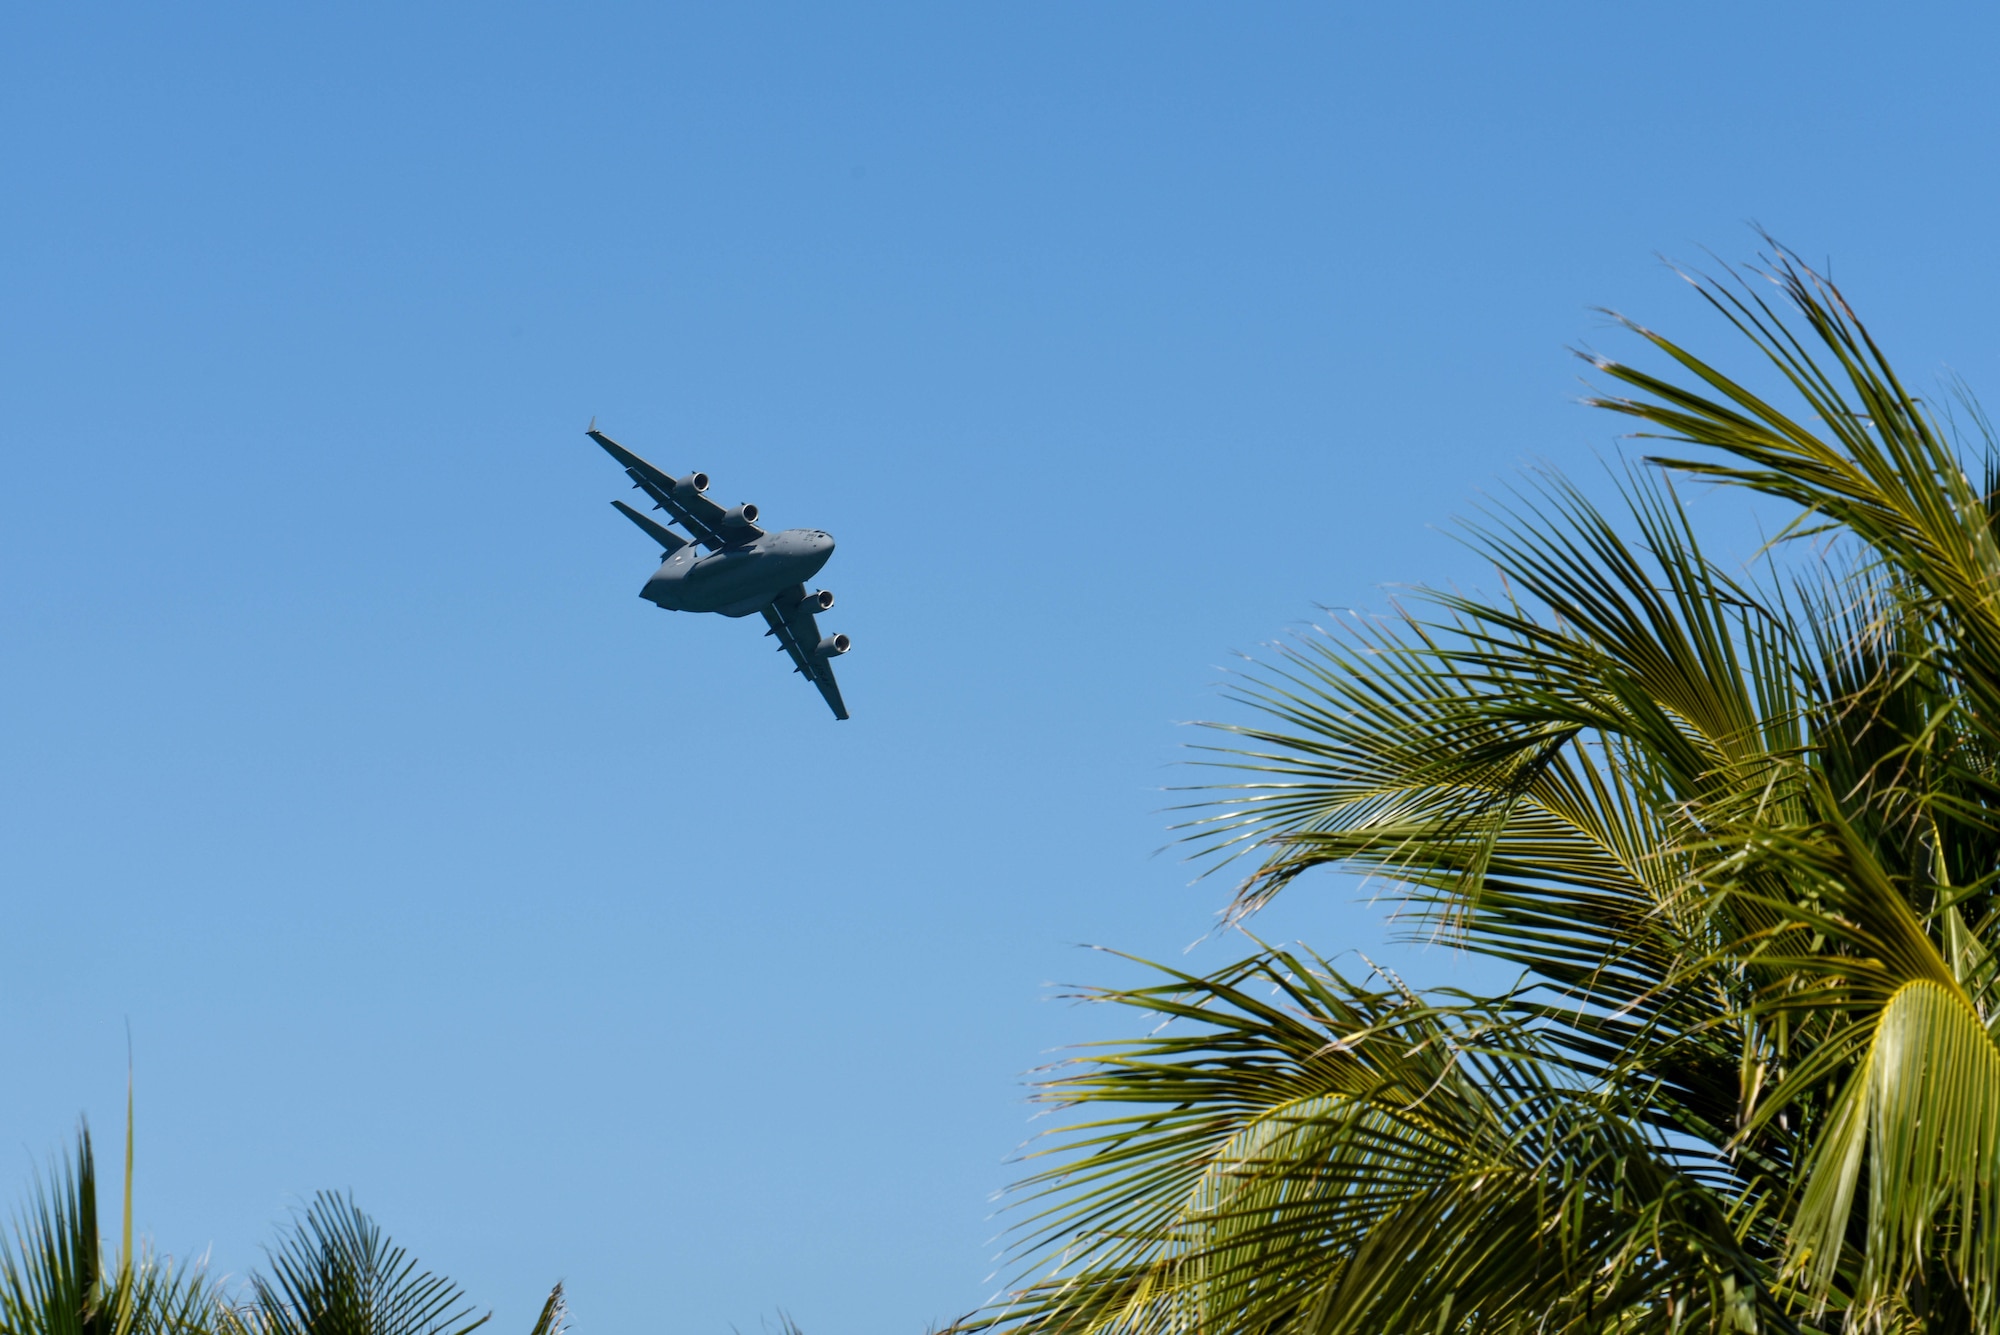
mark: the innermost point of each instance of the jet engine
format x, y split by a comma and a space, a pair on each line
817, 602
692, 482
833, 646
741, 515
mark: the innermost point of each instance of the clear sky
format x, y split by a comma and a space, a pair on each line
338, 756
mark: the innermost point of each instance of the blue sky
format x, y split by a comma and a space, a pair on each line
340, 759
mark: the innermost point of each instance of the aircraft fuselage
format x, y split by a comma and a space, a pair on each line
738, 580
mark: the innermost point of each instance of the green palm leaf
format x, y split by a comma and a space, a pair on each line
337, 1274
1740, 832
54, 1279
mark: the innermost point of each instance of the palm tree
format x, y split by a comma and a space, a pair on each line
1740, 833
56, 1280
337, 1274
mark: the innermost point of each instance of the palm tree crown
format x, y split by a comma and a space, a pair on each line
1739, 832
56, 1280
336, 1273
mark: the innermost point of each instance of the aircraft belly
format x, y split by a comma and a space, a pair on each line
726, 582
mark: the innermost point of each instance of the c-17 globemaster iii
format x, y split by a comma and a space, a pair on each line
733, 567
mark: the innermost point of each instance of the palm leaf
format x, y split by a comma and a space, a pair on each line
54, 1281
1352, 1159
1740, 832
337, 1274
555, 1314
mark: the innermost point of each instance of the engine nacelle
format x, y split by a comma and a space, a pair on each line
817, 602
741, 515
693, 482
833, 646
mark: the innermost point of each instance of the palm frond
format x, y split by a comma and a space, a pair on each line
1741, 832
1316, 1153
555, 1314
54, 1279
337, 1274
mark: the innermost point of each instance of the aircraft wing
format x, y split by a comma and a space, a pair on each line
689, 508
790, 617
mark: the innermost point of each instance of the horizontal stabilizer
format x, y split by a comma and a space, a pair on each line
659, 533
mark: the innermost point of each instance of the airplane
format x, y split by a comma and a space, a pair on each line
744, 568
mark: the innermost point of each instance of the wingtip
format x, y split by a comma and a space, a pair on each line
591, 430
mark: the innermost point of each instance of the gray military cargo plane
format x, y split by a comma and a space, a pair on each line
744, 569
